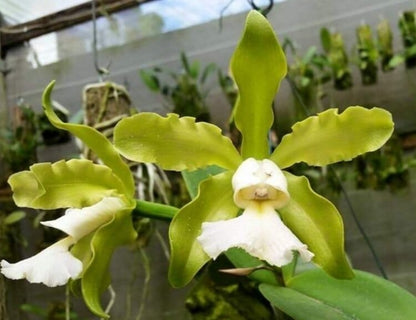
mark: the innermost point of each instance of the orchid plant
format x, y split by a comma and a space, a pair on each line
245, 199
99, 200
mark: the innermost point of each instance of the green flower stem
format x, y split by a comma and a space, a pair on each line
154, 210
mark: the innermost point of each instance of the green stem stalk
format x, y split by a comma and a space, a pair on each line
154, 210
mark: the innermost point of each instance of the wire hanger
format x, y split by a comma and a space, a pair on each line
102, 71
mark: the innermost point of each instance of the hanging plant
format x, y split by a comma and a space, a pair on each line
104, 104
306, 74
333, 44
367, 54
385, 45
407, 26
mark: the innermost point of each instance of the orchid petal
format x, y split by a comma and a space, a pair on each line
95, 140
53, 266
258, 65
213, 202
174, 143
259, 231
79, 222
318, 224
74, 183
96, 278
331, 137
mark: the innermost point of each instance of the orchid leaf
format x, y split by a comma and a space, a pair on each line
174, 143
313, 295
74, 183
331, 137
318, 224
214, 202
257, 65
95, 140
106, 239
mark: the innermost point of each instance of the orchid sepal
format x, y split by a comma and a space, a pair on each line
75, 183
95, 140
174, 143
95, 277
338, 137
258, 65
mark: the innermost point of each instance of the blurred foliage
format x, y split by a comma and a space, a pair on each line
9, 235
385, 45
222, 296
407, 26
50, 134
54, 311
18, 144
367, 54
384, 168
230, 91
333, 45
306, 75
186, 94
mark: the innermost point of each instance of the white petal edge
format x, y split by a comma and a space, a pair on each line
53, 266
79, 222
259, 231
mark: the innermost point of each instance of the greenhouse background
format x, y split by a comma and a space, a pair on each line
140, 48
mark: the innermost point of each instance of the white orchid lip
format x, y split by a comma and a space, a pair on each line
53, 266
260, 188
259, 231
260, 181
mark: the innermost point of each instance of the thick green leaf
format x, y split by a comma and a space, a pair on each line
300, 306
331, 137
313, 295
318, 224
174, 143
95, 278
214, 202
258, 65
96, 141
74, 183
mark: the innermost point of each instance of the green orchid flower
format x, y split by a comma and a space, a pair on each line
281, 212
99, 199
